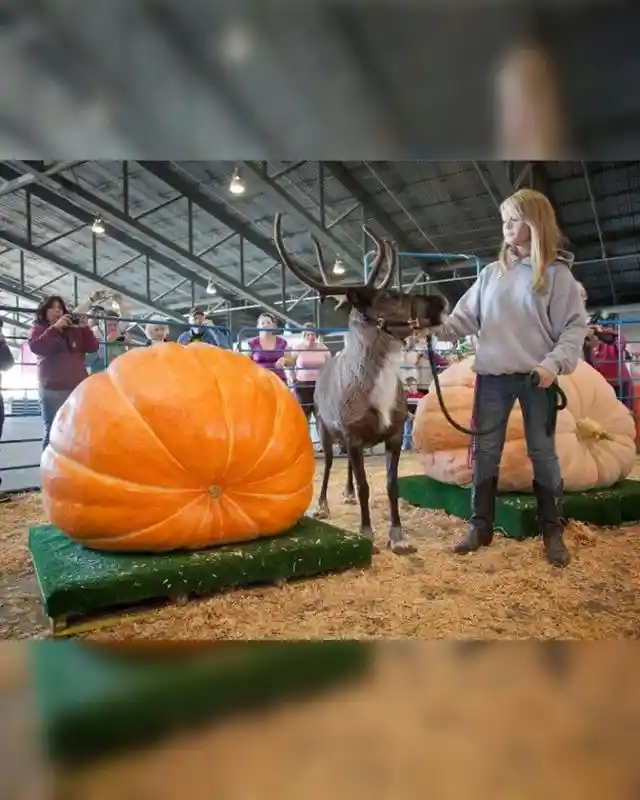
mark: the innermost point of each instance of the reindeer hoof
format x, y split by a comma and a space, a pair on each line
348, 500
322, 512
368, 534
397, 543
403, 548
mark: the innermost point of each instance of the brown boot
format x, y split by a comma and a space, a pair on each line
480, 531
551, 524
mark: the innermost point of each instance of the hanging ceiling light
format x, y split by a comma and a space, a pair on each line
236, 186
338, 267
211, 288
98, 226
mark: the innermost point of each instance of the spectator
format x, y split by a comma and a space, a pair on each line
416, 362
307, 360
201, 330
605, 351
107, 326
156, 333
61, 342
268, 349
413, 397
634, 366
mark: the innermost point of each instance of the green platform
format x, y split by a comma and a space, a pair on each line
77, 583
516, 513
92, 701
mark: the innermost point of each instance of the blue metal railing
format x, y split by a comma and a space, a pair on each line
24, 407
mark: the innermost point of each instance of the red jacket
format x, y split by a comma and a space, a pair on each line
605, 357
61, 355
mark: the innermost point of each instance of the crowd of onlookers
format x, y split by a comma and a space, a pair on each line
71, 344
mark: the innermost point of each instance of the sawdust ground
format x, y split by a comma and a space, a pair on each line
426, 721
504, 592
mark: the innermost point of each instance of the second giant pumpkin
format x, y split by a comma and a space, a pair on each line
594, 435
178, 448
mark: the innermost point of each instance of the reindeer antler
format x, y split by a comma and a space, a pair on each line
385, 251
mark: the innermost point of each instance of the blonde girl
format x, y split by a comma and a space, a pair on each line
528, 314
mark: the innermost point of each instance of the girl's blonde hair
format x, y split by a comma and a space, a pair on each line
534, 209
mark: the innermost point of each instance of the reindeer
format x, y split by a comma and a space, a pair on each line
359, 398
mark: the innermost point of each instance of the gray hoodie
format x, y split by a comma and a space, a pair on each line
519, 329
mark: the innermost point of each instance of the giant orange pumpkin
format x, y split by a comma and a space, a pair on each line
178, 448
594, 435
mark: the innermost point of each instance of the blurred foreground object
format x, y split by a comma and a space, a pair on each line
531, 120
455, 721
96, 699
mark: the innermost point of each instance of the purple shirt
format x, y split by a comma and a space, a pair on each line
268, 358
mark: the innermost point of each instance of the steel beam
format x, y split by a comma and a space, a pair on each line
22, 181
495, 180
370, 206
23, 292
12, 240
282, 200
83, 204
15, 322
261, 275
596, 219
521, 177
285, 171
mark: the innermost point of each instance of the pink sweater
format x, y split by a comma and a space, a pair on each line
310, 357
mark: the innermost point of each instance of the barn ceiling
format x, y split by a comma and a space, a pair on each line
173, 227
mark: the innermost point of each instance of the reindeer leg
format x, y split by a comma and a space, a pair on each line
356, 459
397, 543
349, 495
322, 507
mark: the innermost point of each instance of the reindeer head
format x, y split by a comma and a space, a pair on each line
395, 313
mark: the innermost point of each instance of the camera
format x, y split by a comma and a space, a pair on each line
75, 319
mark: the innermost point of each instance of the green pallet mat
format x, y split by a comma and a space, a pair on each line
516, 513
77, 583
93, 701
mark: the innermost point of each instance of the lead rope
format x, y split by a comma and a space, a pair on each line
473, 440
556, 397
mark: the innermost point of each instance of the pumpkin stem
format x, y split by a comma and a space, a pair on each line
587, 428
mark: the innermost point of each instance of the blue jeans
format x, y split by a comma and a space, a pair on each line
407, 439
51, 400
496, 396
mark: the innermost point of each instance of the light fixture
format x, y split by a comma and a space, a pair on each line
98, 226
211, 288
338, 267
236, 186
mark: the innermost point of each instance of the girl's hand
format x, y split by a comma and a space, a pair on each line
546, 377
281, 363
83, 322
